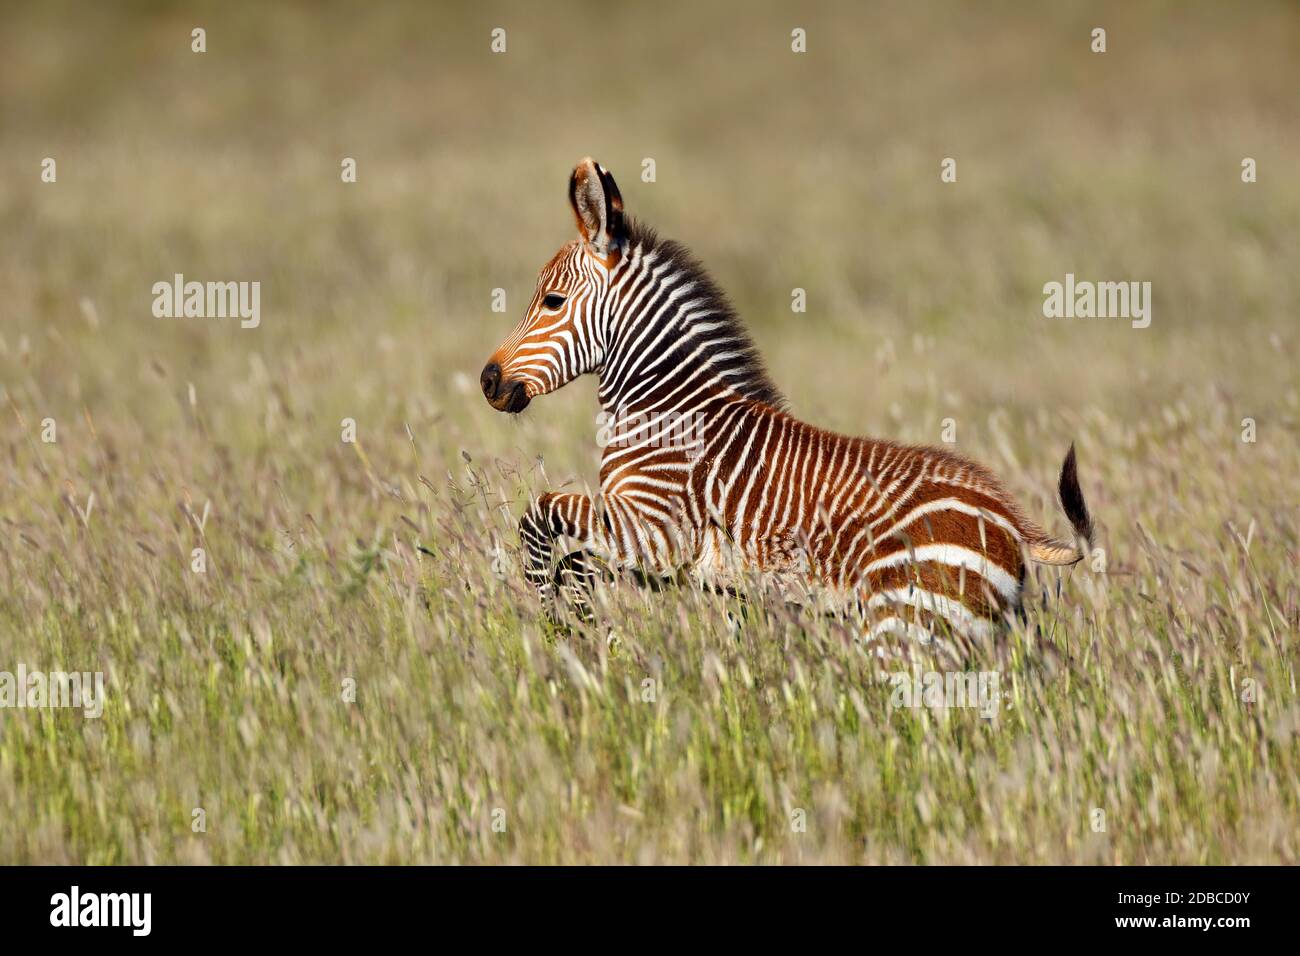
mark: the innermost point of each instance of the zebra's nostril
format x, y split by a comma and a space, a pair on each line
490, 379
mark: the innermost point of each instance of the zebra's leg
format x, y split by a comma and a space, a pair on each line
575, 579
551, 516
622, 534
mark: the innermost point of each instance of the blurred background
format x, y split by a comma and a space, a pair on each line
819, 171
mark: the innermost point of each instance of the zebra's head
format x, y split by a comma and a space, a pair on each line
561, 335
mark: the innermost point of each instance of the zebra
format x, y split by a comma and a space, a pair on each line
926, 542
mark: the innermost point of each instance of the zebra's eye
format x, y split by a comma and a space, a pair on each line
553, 300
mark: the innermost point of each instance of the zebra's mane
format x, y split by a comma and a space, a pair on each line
753, 380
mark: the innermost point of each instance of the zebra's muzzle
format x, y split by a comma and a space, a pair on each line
513, 398
504, 396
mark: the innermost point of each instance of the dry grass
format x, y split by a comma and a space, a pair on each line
374, 561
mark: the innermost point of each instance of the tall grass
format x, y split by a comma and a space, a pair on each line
1160, 692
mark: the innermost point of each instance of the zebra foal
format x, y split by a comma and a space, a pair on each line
710, 473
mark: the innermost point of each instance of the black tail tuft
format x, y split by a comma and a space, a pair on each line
1072, 498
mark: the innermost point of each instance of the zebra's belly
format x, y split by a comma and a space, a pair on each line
720, 563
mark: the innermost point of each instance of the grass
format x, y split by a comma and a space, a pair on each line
1161, 691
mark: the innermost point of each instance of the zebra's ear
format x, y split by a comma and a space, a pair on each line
598, 207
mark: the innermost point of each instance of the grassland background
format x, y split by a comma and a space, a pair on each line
819, 171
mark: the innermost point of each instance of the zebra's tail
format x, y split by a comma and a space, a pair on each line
1050, 551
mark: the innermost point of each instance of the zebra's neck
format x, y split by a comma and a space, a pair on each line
673, 343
